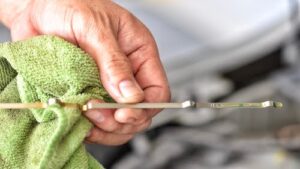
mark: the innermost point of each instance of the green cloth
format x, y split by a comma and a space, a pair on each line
35, 70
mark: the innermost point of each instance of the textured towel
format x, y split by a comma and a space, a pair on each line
35, 70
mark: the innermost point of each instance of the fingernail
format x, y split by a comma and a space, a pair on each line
129, 88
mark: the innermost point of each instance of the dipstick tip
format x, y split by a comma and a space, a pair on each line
278, 105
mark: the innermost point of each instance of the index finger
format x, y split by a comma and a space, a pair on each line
138, 44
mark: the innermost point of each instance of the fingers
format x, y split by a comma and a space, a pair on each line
104, 119
115, 69
101, 137
94, 32
97, 135
130, 68
131, 116
117, 75
137, 42
110, 132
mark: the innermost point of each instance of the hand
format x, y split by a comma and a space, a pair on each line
122, 47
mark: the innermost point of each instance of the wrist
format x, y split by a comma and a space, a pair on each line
10, 10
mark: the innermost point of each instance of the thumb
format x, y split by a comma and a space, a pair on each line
116, 71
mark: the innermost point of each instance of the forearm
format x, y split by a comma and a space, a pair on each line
10, 9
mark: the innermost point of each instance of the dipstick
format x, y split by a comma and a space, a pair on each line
182, 105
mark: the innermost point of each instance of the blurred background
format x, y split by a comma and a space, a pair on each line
219, 51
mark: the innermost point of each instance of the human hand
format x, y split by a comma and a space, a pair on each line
122, 47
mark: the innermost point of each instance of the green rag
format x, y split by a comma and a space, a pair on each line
35, 70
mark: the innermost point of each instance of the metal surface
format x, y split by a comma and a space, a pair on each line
240, 105
186, 104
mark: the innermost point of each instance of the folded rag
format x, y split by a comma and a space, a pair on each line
35, 70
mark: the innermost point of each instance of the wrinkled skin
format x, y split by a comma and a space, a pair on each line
123, 48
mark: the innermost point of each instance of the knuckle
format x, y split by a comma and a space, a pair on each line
128, 16
117, 65
82, 16
85, 25
116, 59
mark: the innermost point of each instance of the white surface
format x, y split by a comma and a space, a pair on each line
222, 23
200, 37
170, 39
